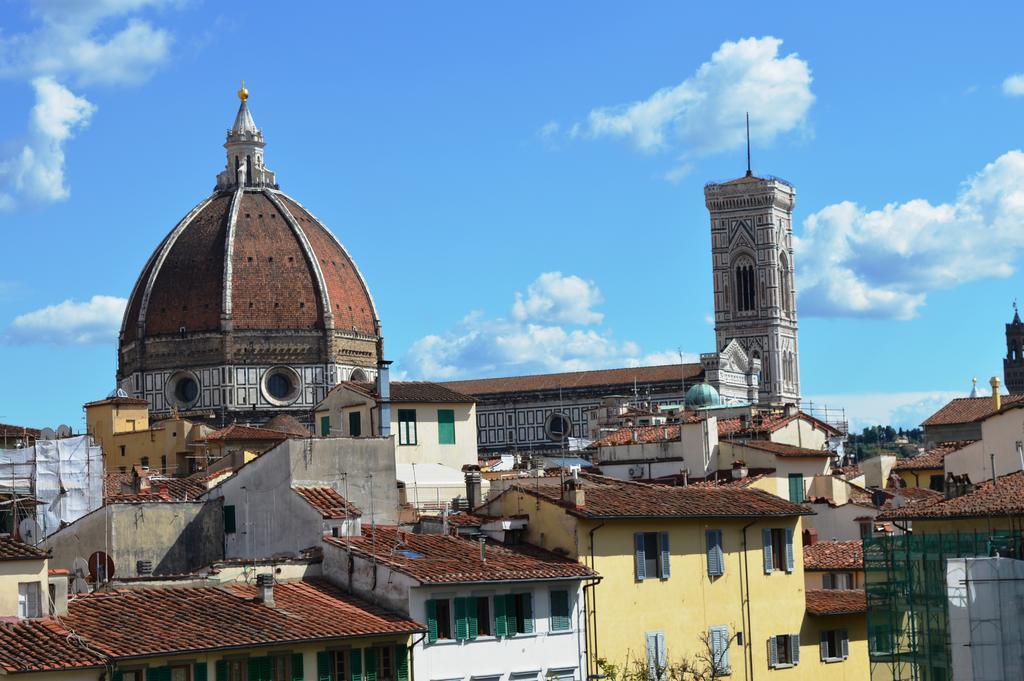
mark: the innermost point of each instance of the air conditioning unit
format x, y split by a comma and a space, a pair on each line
636, 472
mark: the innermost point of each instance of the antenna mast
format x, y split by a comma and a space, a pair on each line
749, 174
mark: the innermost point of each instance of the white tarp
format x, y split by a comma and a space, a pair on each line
986, 618
65, 476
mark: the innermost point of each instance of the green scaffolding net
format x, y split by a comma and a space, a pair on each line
905, 581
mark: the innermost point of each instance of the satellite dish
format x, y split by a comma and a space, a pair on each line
28, 528
47, 434
101, 567
80, 570
64, 430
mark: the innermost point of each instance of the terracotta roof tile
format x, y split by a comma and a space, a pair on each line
968, 410
611, 498
237, 432
447, 559
784, 450
134, 401
41, 645
632, 435
1005, 498
933, 458
11, 549
119, 488
836, 602
328, 502
918, 494
286, 423
621, 378
411, 391
834, 555
154, 621
761, 425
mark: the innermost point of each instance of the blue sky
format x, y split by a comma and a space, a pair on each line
522, 184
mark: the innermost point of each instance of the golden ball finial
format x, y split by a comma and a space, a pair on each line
243, 94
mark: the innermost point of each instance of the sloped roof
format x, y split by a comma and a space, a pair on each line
328, 502
630, 435
625, 377
118, 488
11, 549
42, 645
968, 410
611, 498
447, 559
154, 621
933, 458
784, 450
836, 602
1005, 497
239, 432
834, 555
765, 424
286, 423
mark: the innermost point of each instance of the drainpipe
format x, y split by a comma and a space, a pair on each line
384, 395
412, 657
749, 626
590, 613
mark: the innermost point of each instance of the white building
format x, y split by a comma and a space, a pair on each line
493, 612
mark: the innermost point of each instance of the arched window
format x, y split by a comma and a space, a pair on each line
785, 284
746, 287
248, 170
236, 169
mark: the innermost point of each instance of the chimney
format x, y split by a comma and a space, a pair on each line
950, 486
739, 469
997, 398
384, 396
633, 435
473, 489
744, 421
57, 579
483, 549
572, 493
810, 536
143, 568
265, 587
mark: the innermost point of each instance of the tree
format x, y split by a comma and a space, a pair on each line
705, 665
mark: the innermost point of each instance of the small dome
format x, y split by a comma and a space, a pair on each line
701, 396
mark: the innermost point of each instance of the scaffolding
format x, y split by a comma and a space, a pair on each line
905, 577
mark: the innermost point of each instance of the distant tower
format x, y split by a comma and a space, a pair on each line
1013, 365
752, 265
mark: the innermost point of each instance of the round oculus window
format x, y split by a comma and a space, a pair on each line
558, 427
182, 390
281, 386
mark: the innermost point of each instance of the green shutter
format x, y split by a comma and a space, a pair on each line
560, 611
461, 625
796, 488
325, 426
355, 664
527, 613
221, 671
446, 426
401, 662
229, 519
639, 557
297, 674
254, 669
500, 619
198, 672
471, 610
323, 666
117, 676
370, 664
266, 669
355, 424
156, 673
431, 621
512, 614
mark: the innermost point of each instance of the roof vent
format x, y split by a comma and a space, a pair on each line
265, 587
143, 568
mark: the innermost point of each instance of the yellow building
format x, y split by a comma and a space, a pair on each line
927, 471
24, 580
121, 427
684, 569
236, 631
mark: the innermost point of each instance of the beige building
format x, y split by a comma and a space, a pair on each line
24, 580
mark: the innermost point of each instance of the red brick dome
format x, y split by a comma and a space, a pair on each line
265, 264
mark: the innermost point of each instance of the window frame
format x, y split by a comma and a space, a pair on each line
662, 559
27, 607
552, 621
407, 428
793, 477
839, 638
355, 424
791, 648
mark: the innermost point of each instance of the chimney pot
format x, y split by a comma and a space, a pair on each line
997, 398
265, 585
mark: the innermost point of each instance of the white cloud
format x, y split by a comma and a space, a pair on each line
70, 323
899, 410
1013, 86
882, 263
704, 114
37, 173
556, 298
541, 334
102, 42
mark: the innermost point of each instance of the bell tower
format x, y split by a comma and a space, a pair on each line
752, 266
1013, 365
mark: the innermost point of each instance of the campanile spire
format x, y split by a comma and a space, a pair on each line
244, 147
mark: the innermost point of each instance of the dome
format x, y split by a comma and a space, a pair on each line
250, 303
701, 396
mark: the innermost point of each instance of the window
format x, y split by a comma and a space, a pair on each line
406, 426
355, 424
796, 488
784, 651
835, 645
439, 620
778, 549
513, 614
52, 602
446, 426
229, 520
718, 640
880, 639
325, 426
560, 619
657, 660
279, 668
180, 673
128, 675
28, 600
746, 293
235, 670
937, 483
145, 462
865, 529
716, 561
652, 555
837, 580
483, 617
122, 451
